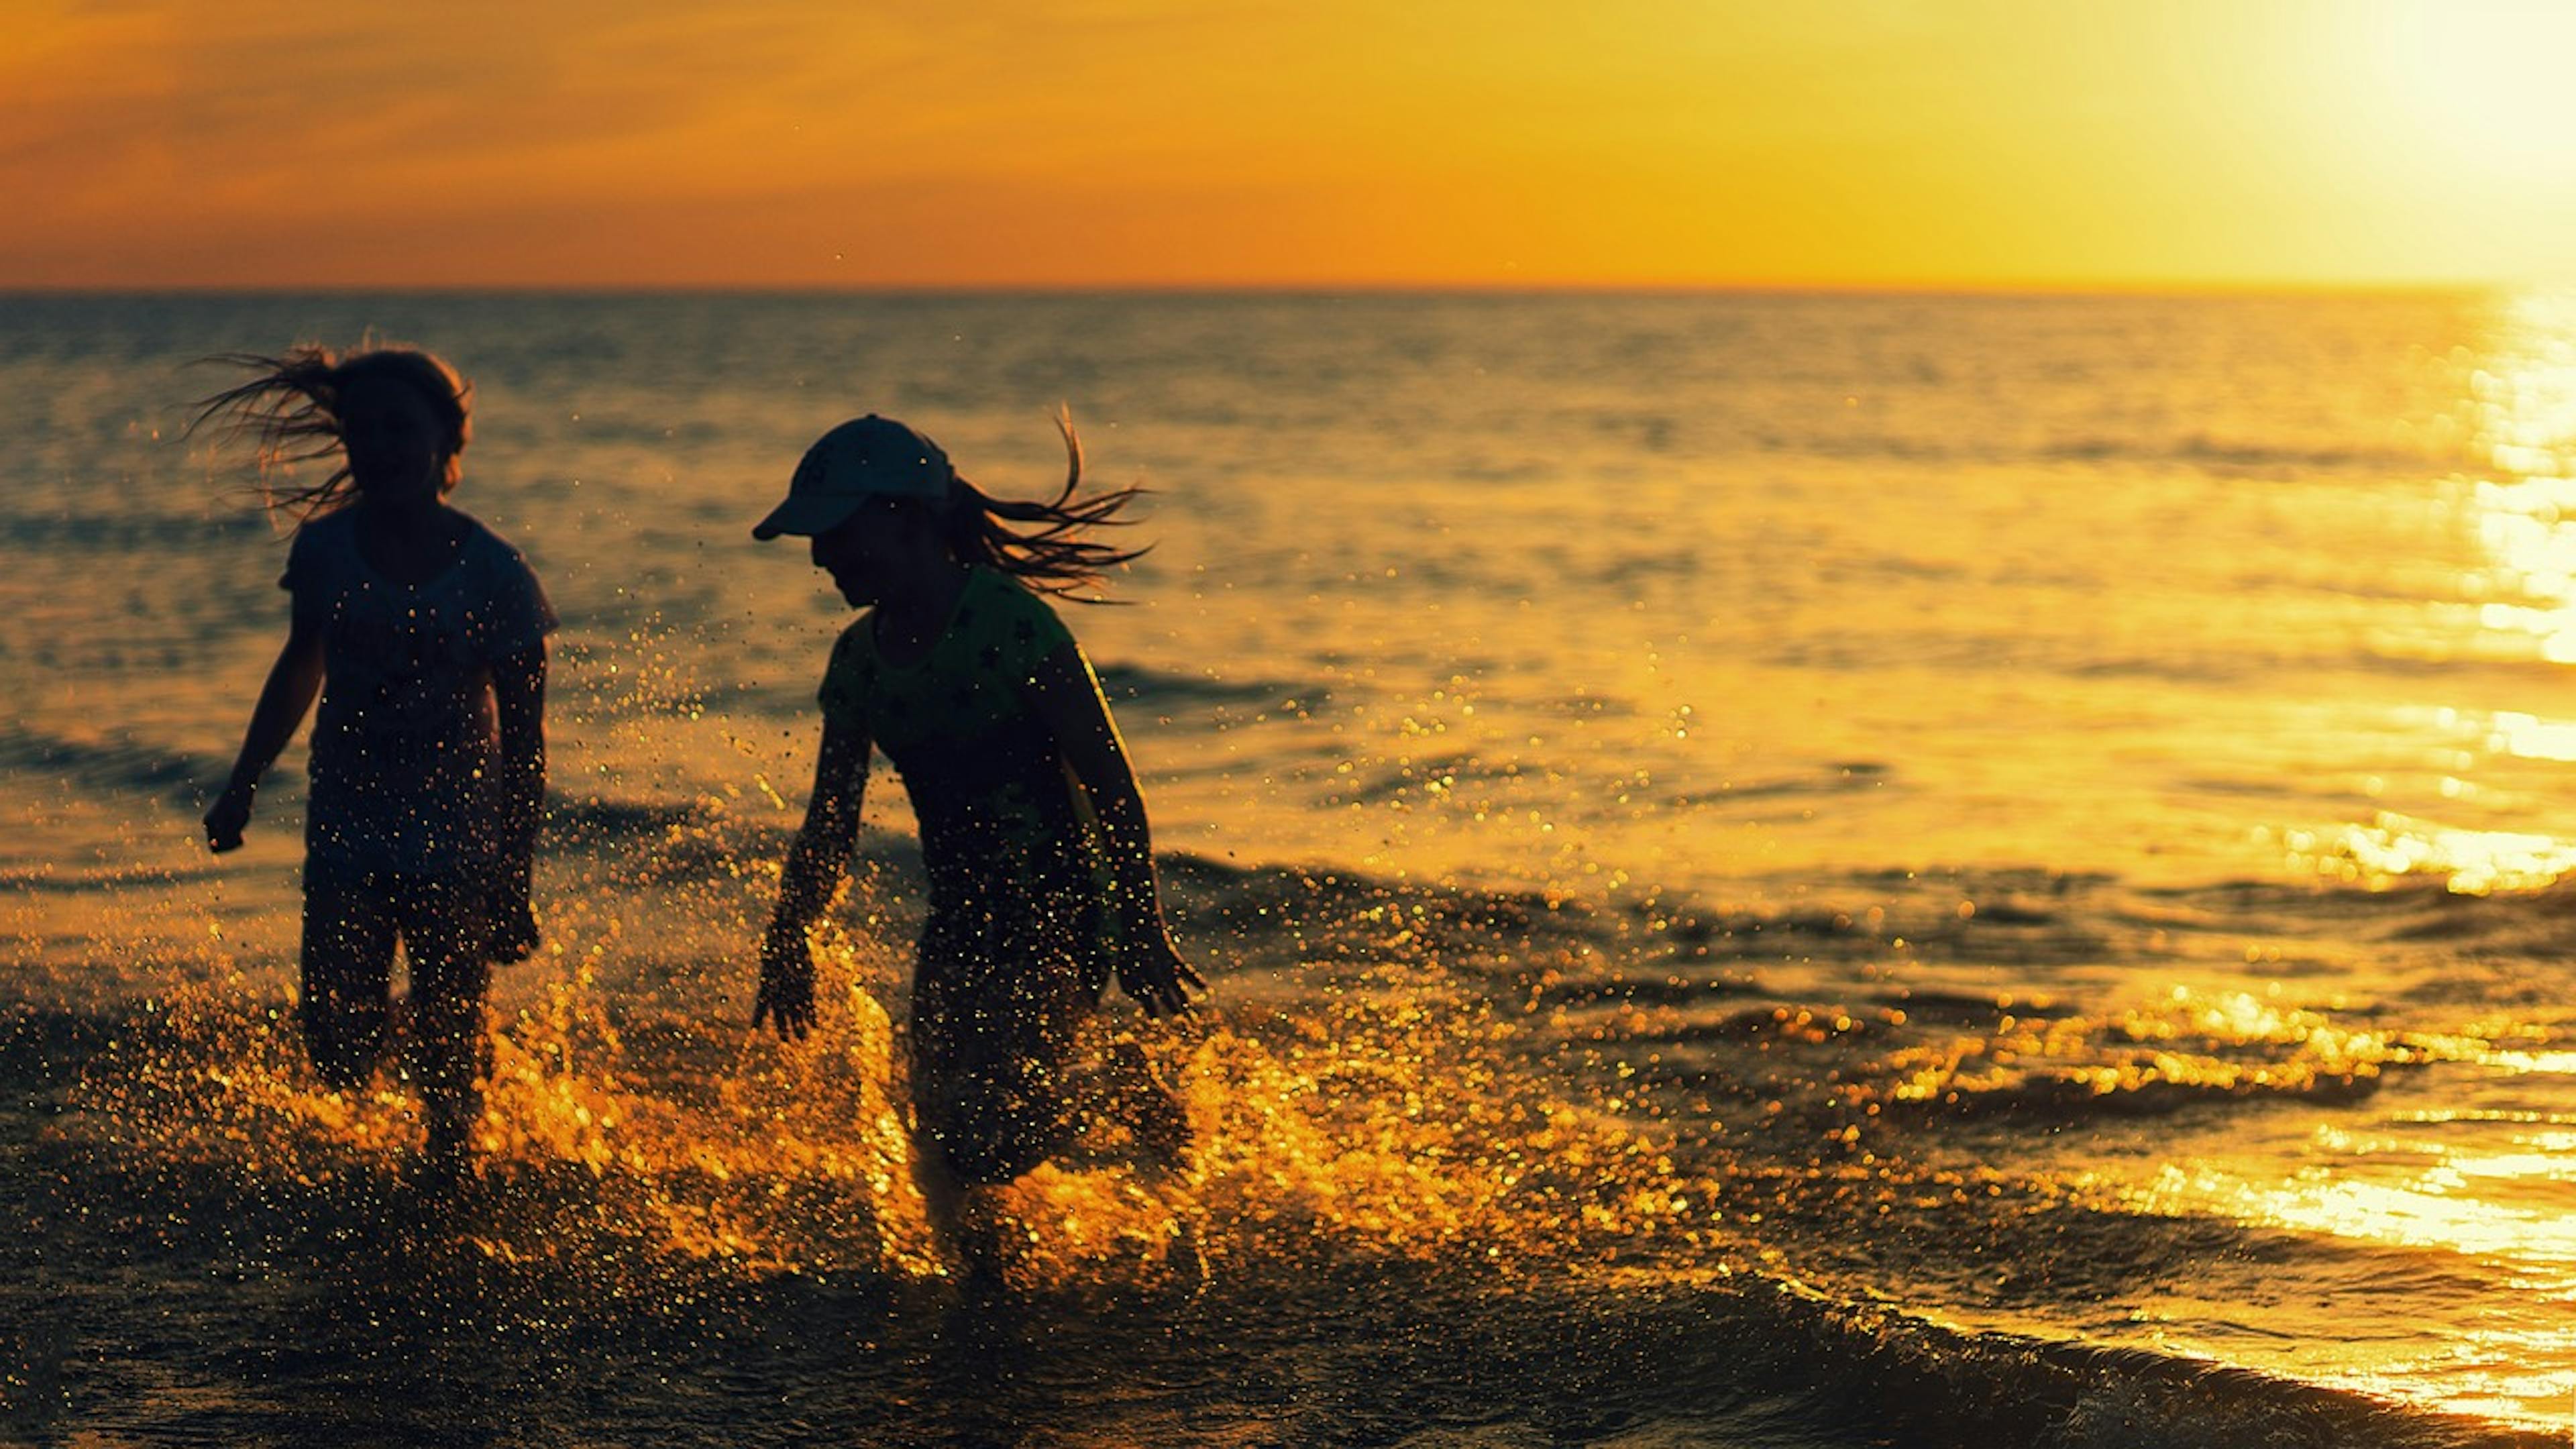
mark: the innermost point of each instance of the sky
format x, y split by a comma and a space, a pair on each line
1189, 143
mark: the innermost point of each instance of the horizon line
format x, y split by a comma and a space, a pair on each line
2172, 287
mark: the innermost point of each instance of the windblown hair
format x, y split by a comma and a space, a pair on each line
291, 405
1050, 555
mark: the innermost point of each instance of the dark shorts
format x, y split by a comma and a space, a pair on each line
352, 920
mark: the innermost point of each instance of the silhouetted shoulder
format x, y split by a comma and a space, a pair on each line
851, 675
510, 609
317, 544
1011, 628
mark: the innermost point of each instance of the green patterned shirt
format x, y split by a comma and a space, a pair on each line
986, 775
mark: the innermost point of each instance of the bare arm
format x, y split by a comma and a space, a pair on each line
519, 698
1067, 697
815, 864
293, 681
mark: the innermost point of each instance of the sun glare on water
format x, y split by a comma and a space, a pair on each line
2514, 493
2522, 406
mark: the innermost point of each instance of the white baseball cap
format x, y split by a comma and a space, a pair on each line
864, 458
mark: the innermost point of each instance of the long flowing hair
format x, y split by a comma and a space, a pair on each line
291, 407
1050, 555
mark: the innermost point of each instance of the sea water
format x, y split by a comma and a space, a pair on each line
1777, 869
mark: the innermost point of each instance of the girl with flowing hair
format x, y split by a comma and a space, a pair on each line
1033, 832
423, 633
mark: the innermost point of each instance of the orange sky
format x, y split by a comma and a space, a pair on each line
617, 143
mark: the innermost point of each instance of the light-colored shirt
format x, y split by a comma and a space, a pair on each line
406, 744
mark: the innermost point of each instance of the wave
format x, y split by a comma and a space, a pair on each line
1840, 777
2243, 455
228, 1247
2235, 457
118, 763
126, 533
1498, 1101
1922, 1383
1148, 685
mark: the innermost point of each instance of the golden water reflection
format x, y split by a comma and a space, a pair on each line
2515, 407
2521, 414
2394, 846
2394, 1189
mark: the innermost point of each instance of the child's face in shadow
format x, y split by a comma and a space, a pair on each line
876, 551
397, 446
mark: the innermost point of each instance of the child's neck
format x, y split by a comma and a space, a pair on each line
911, 621
409, 542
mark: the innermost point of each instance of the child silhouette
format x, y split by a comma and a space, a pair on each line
423, 632
1033, 832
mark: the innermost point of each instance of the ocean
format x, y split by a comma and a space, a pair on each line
1811, 870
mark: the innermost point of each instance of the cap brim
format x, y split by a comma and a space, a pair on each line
805, 516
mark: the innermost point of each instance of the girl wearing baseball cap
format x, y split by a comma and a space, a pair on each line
1033, 833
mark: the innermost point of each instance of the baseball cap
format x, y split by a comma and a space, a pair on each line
864, 458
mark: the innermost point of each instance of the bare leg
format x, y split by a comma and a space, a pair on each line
1136, 1097
943, 1196
449, 980
949, 1202
1125, 1089
347, 967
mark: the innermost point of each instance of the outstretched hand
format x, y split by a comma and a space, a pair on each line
227, 819
786, 999
1153, 973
